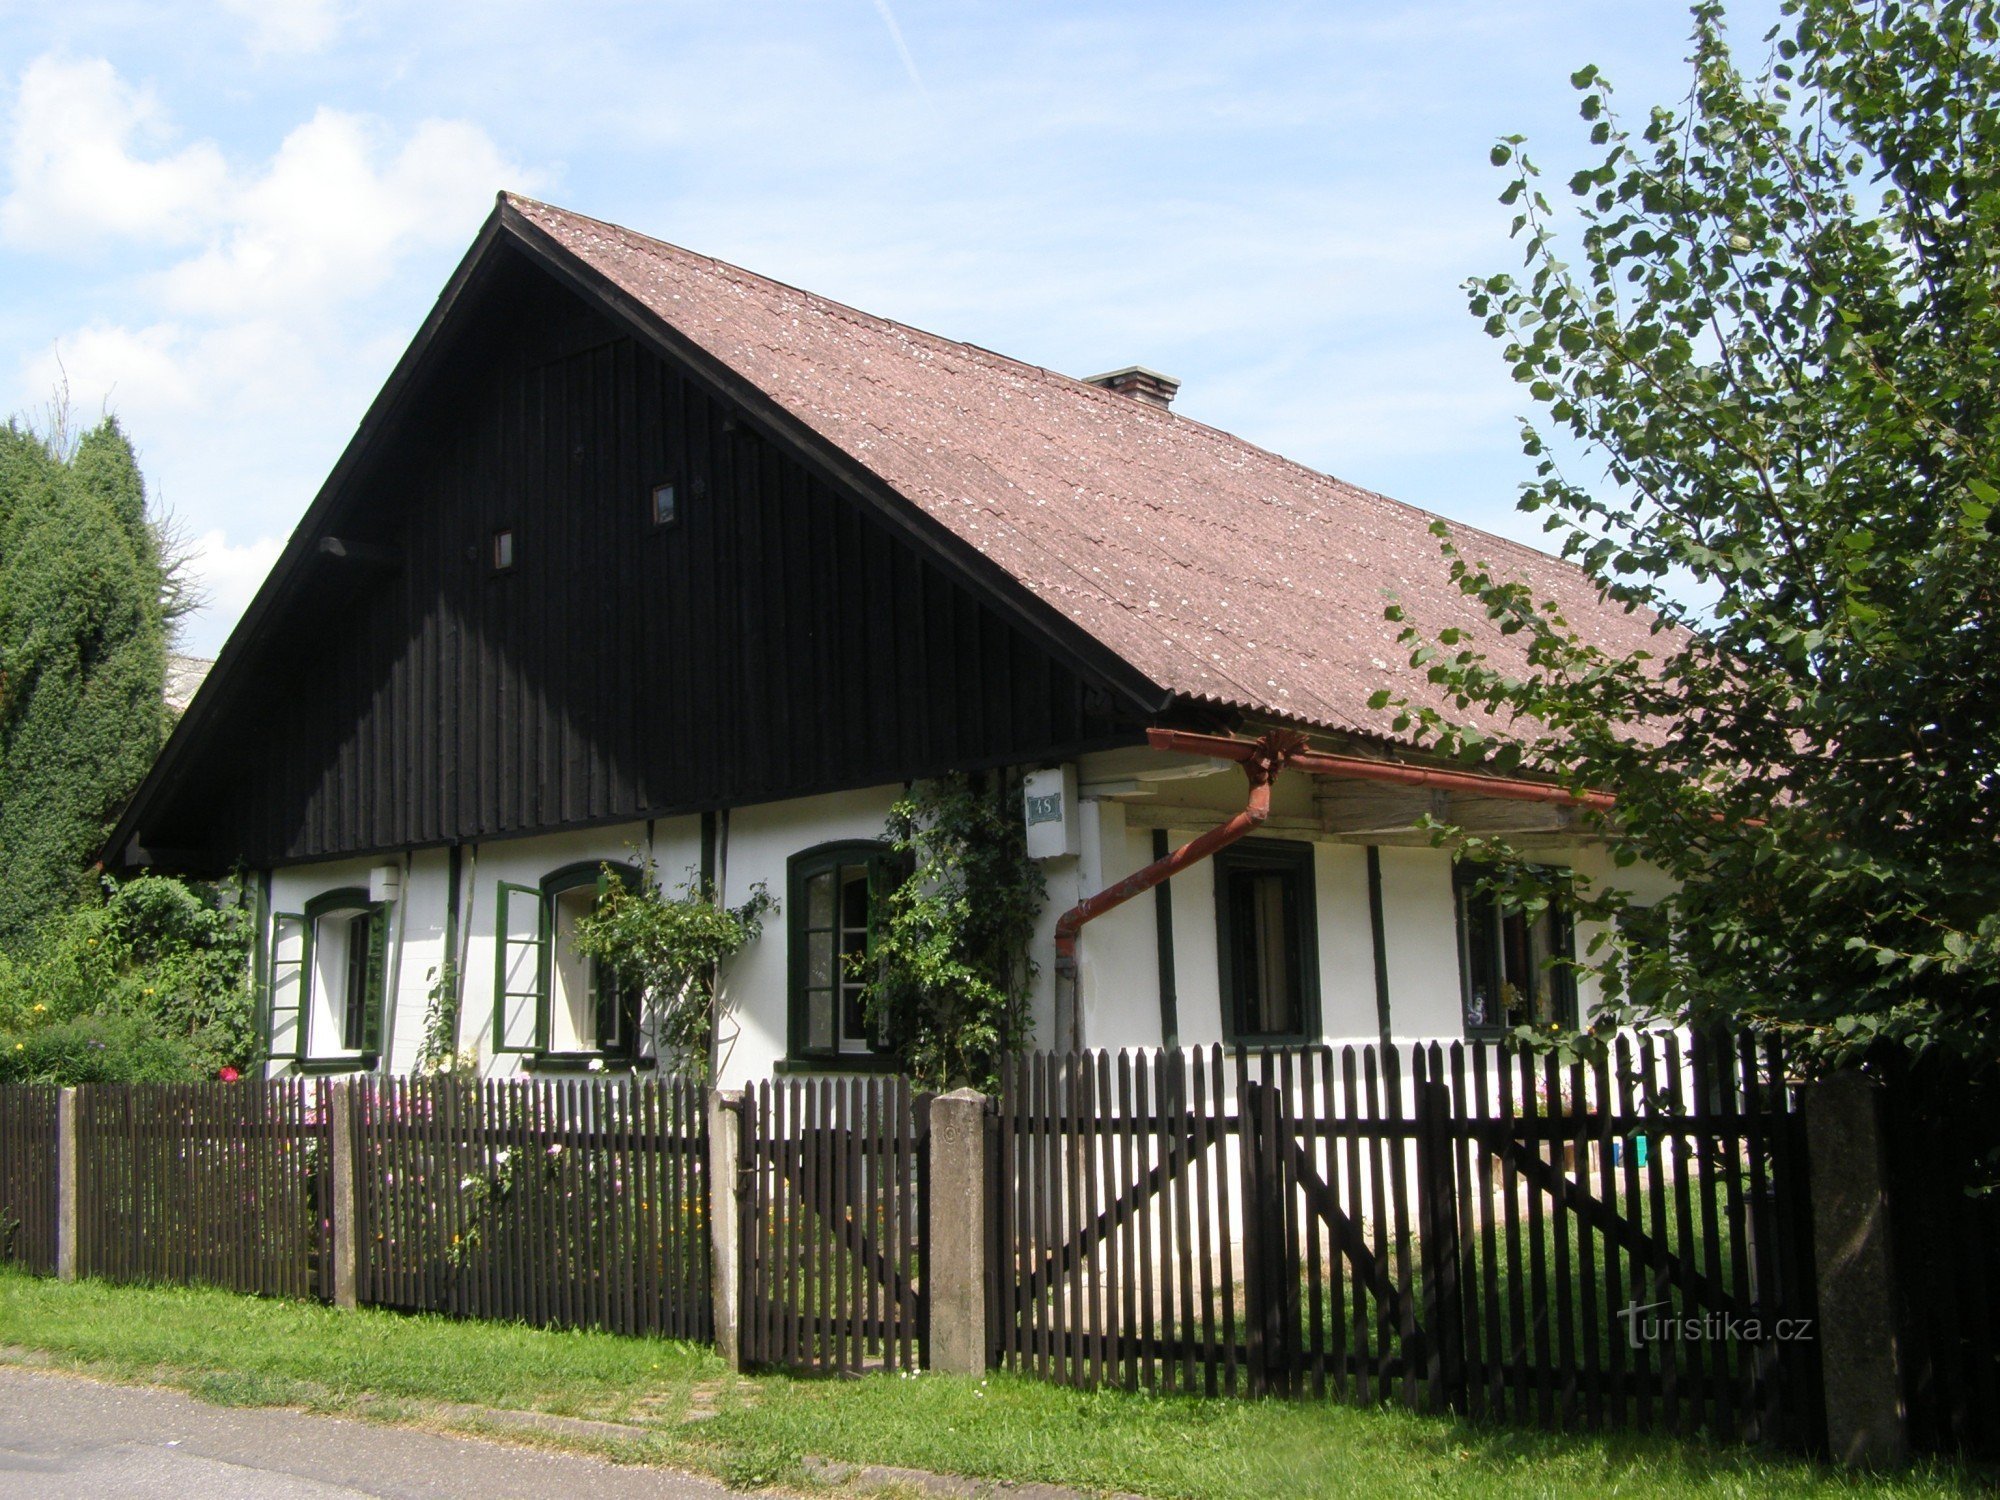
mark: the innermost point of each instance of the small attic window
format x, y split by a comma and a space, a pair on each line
503, 549
665, 509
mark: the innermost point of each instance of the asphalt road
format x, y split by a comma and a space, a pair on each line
67, 1438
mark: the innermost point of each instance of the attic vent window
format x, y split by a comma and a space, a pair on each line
664, 510
503, 549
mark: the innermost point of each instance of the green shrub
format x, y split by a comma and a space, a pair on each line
149, 983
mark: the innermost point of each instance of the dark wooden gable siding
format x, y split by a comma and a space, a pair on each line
778, 640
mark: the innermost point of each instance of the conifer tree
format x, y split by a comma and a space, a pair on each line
84, 599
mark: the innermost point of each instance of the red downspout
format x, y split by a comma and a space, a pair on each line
1261, 760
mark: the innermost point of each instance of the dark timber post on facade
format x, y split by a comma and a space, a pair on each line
1857, 1323
959, 1232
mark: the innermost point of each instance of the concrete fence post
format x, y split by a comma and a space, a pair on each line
725, 1260
66, 1185
346, 1242
1861, 1375
959, 1232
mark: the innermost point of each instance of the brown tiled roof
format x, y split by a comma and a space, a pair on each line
1218, 570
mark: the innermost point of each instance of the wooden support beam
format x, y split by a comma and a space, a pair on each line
347, 549
1197, 819
1533, 825
1361, 807
1495, 815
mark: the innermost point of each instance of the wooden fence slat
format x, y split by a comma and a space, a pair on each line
1563, 1283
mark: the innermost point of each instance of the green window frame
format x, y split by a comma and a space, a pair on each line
287, 985
826, 935
1504, 976
1267, 942
527, 936
295, 942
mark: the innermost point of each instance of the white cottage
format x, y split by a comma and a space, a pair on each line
641, 556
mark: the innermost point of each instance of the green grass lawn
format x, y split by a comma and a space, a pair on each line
247, 1351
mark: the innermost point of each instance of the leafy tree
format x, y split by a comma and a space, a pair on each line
85, 594
947, 966
1781, 340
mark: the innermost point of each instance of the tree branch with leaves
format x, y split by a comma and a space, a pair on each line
1780, 344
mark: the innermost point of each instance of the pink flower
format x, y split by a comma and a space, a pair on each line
229, 1075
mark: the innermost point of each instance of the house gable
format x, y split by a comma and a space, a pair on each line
781, 635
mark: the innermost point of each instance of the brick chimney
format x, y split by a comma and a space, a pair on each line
1140, 383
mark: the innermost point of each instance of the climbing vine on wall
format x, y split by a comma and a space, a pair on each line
948, 968
669, 944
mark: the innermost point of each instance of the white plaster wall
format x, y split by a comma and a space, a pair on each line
760, 841
420, 920
1420, 944
1346, 945
1119, 955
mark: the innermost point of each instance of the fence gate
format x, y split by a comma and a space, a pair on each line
1620, 1244
831, 1193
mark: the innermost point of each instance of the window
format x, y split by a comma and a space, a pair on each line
1266, 940
834, 893
1504, 972
664, 512
503, 550
329, 979
550, 1001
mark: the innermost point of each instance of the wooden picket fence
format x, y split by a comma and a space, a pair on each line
572, 1203
832, 1187
1480, 1231
28, 1177
217, 1183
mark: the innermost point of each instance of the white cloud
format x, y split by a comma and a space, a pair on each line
229, 575
326, 219
171, 369
74, 175
287, 25
247, 327
335, 210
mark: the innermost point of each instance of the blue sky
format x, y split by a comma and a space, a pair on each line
225, 221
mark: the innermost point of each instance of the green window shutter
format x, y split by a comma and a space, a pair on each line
291, 964
377, 980
520, 970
